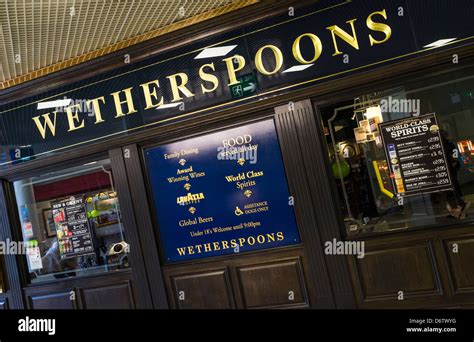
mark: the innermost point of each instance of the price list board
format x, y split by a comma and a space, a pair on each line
72, 228
415, 155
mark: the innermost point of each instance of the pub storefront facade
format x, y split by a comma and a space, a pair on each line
317, 156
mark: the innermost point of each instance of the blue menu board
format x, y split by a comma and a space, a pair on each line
222, 193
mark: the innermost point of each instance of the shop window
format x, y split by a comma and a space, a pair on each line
71, 222
404, 158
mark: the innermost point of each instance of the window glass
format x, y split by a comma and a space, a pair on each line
71, 223
404, 157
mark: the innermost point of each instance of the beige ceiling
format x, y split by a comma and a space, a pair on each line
38, 37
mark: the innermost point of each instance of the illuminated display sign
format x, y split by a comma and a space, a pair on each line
223, 193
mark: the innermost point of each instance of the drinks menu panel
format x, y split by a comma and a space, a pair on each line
222, 193
415, 153
72, 228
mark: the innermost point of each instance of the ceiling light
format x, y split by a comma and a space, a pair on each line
54, 104
374, 112
439, 43
170, 105
298, 68
215, 51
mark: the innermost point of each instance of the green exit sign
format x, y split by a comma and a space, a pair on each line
247, 86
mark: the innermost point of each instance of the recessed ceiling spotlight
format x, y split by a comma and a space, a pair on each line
54, 104
439, 43
218, 51
170, 105
298, 68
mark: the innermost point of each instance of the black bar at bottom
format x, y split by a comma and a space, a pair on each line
314, 325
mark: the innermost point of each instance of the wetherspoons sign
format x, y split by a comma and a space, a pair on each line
181, 89
329, 40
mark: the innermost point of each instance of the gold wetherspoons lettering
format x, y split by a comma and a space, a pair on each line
374, 26
278, 56
47, 123
337, 31
128, 101
177, 88
232, 69
73, 117
317, 45
151, 95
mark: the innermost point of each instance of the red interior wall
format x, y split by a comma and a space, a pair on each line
72, 186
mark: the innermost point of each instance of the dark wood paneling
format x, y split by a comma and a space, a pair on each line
385, 271
299, 120
220, 283
52, 301
12, 264
208, 290
141, 288
4, 304
115, 296
461, 263
326, 206
3, 282
419, 263
146, 232
293, 157
278, 284
112, 280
